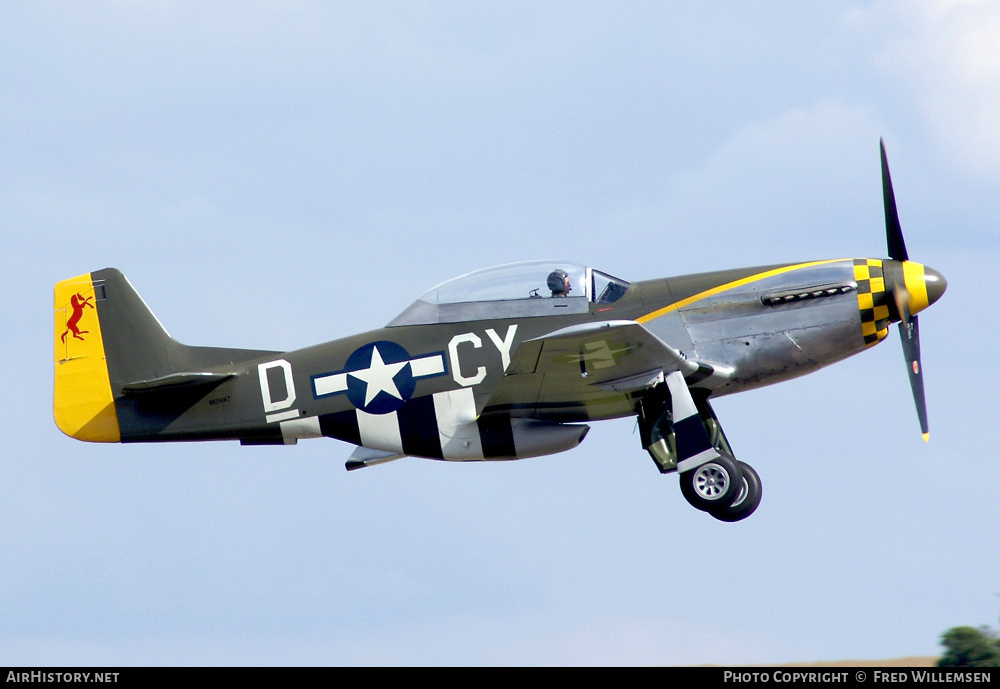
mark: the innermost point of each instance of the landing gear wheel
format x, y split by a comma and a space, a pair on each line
712, 484
746, 500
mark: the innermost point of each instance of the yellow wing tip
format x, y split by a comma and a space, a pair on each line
926, 436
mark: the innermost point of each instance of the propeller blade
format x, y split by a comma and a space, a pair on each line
909, 330
893, 232
909, 335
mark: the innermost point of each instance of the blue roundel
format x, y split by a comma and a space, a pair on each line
379, 379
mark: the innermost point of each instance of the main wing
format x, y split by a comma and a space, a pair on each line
589, 370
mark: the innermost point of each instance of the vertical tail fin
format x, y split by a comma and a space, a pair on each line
136, 345
107, 346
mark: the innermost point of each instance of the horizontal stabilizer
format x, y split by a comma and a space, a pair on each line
187, 380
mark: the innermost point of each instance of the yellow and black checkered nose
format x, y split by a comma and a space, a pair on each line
877, 281
873, 300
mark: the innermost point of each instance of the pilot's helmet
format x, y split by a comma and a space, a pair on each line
558, 282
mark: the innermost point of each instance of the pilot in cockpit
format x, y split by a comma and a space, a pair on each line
558, 282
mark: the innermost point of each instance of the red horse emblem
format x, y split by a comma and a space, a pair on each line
77, 301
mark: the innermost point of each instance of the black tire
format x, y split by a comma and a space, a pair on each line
712, 484
746, 500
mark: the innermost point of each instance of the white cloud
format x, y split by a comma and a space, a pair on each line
948, 51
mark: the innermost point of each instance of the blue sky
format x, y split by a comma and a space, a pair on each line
272, 176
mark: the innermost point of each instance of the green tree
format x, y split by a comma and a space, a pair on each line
970, 647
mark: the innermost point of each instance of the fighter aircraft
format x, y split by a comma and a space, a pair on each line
503, 363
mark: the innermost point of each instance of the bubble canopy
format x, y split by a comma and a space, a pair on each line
532, 288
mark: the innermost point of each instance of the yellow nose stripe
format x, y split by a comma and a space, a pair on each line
913, 278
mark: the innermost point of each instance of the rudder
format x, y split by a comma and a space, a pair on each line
82, 402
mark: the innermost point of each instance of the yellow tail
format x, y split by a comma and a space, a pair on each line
83, 405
